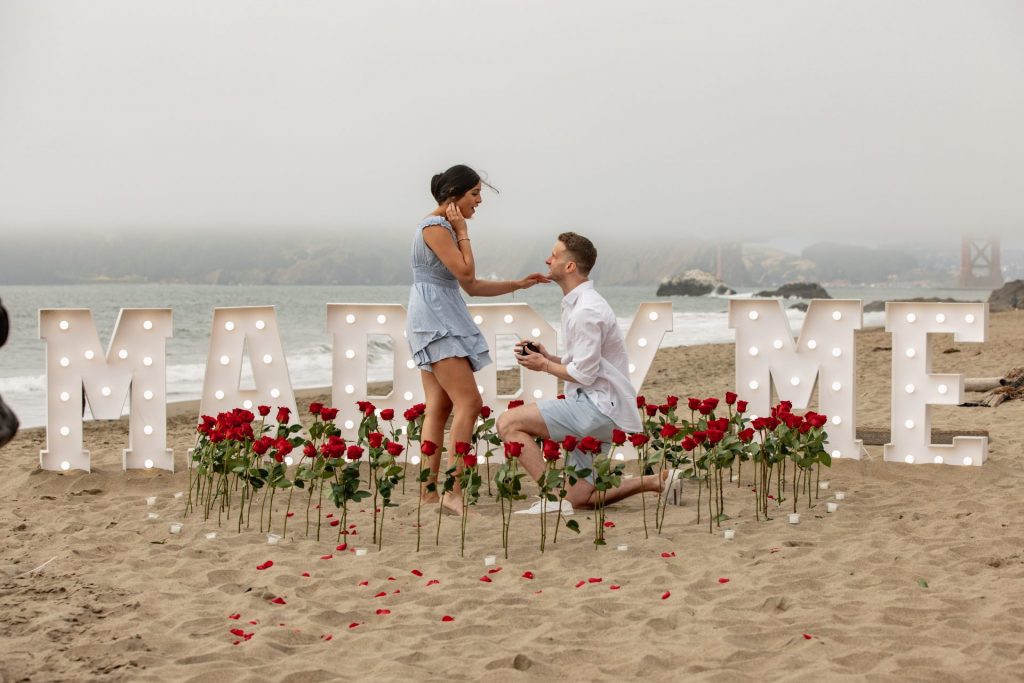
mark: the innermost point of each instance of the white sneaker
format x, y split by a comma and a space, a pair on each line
672, 493
552, 506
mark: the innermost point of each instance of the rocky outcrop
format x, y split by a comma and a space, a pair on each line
879, 306
1009, 297
693, 283
797, 290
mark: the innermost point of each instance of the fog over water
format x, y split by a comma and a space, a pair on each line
788, 120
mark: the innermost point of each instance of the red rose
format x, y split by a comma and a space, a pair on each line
618, 437
664, 408
388, 414
715, 435
315, 408
785, 406
513, 449
713, 402
560, 397
819, 420
741, 406
410, 414
375, 439
262, 445
354, 452
514, 404
551, 450
638, 440
309, 450
721, 424
283, 446
395, 449
428, 448
730, 398
773, 423
693, 403
689, 444
747, 435
462, 448
641, 401
651, 410
282, 415
669, 430
569, 443
328, 414
699, 437
793, 421
704, 408
805, 427
589, 444
264, 410
759, 423
469, 460
279, 457
485, 412
672, 401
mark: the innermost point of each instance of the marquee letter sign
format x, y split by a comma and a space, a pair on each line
915, 389
825, 350
133, 363
238, 331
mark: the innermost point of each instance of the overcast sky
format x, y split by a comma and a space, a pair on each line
743, 119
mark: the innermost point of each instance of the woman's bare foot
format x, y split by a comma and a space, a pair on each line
429, 496
452, 505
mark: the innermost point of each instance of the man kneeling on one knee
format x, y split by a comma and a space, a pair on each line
599, 395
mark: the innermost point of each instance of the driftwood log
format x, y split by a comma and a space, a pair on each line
983, 383
877, 436
1011, 387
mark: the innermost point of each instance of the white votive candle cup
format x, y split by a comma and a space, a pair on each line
729, 534
151, 500
831, 507
622, 547
360, 552
489, 560
176, 528
152, 515
794, 517
211, 535
272, 539
823, 485
840, 495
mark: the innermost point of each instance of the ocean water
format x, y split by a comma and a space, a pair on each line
301, 312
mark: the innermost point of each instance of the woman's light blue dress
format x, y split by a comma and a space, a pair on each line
439, 324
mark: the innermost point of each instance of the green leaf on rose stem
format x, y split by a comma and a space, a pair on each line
722, 517
572, 525
922, 583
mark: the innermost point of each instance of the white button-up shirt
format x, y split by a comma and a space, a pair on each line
595, 356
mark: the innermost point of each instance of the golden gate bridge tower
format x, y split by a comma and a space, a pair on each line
979, 264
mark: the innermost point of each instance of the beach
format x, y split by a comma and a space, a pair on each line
919, 574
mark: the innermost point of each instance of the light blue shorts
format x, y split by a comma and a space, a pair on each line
577, 416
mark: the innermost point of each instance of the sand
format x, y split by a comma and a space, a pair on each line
917, 576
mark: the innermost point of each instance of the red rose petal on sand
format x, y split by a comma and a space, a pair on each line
326, 557
306, 574
416, 572
364, 583
581, 583
774, 550
335, 522
236, 642
807, 636
353, 624
527, 575
614, 587
447, 618
391, 578
326, 636
666, 595
595, 579
723, 580
609, 525
266, 565
433, 582
538, 592
248, 636
382, 612
352, 533
351, 526
329, 515
486, 579
254, 621
279, 601
397, 590
380, 595
234, 616
237, 632
671, 554
342, 547
291, 514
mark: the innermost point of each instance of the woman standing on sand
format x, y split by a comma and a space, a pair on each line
446, 344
